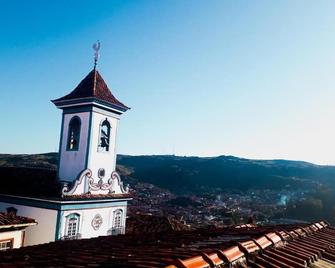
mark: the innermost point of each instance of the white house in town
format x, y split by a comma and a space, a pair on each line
12, 229
93, 200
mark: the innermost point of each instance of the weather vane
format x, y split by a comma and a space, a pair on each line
96, 47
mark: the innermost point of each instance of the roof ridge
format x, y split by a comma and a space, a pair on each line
94, 80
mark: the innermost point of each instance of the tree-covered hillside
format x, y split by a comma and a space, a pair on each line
181, 174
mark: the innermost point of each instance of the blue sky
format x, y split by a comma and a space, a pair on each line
248, 78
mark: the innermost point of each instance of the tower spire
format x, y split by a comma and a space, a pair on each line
96, 48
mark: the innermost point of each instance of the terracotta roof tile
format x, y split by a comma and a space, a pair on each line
232, 254
324, 224
8, 220
318, 225
213, 258
284, 235
249, 246
198, 248
194, 262
139, 223
273, 237
302, 260
313, 227
300, 232
293, 234
263, 242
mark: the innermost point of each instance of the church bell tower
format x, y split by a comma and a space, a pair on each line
87, 150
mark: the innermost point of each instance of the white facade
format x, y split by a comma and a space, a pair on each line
88, 156
72, 163
102, 159
94, 222
86, 165
15, 238
93, 218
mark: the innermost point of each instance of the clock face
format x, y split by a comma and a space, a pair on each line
97, 222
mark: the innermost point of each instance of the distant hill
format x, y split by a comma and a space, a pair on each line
43, 161
180, 174
193, 173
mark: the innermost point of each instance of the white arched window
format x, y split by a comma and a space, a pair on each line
117, 223
104, 136
117, 219
72, 226
73, 134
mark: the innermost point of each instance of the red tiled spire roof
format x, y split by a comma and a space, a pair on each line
92, 86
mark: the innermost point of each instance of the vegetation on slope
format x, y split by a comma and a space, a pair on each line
192, 175
180, 174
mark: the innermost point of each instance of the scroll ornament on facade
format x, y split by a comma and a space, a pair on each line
86, 184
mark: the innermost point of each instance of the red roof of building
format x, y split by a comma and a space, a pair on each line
9, 220
92, 86
273, 246
141, 223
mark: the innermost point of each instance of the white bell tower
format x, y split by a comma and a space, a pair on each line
87, 150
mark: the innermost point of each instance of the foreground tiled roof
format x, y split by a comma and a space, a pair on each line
92, 86
9, 220
308, 245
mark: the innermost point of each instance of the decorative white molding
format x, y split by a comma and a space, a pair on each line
97, 222
117, 183
100, 185
114, 185
78, 184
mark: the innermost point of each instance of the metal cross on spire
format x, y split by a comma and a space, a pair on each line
96, 47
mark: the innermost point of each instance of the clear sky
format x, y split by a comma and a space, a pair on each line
253, 79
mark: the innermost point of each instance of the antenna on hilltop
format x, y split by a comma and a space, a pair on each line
96, 47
